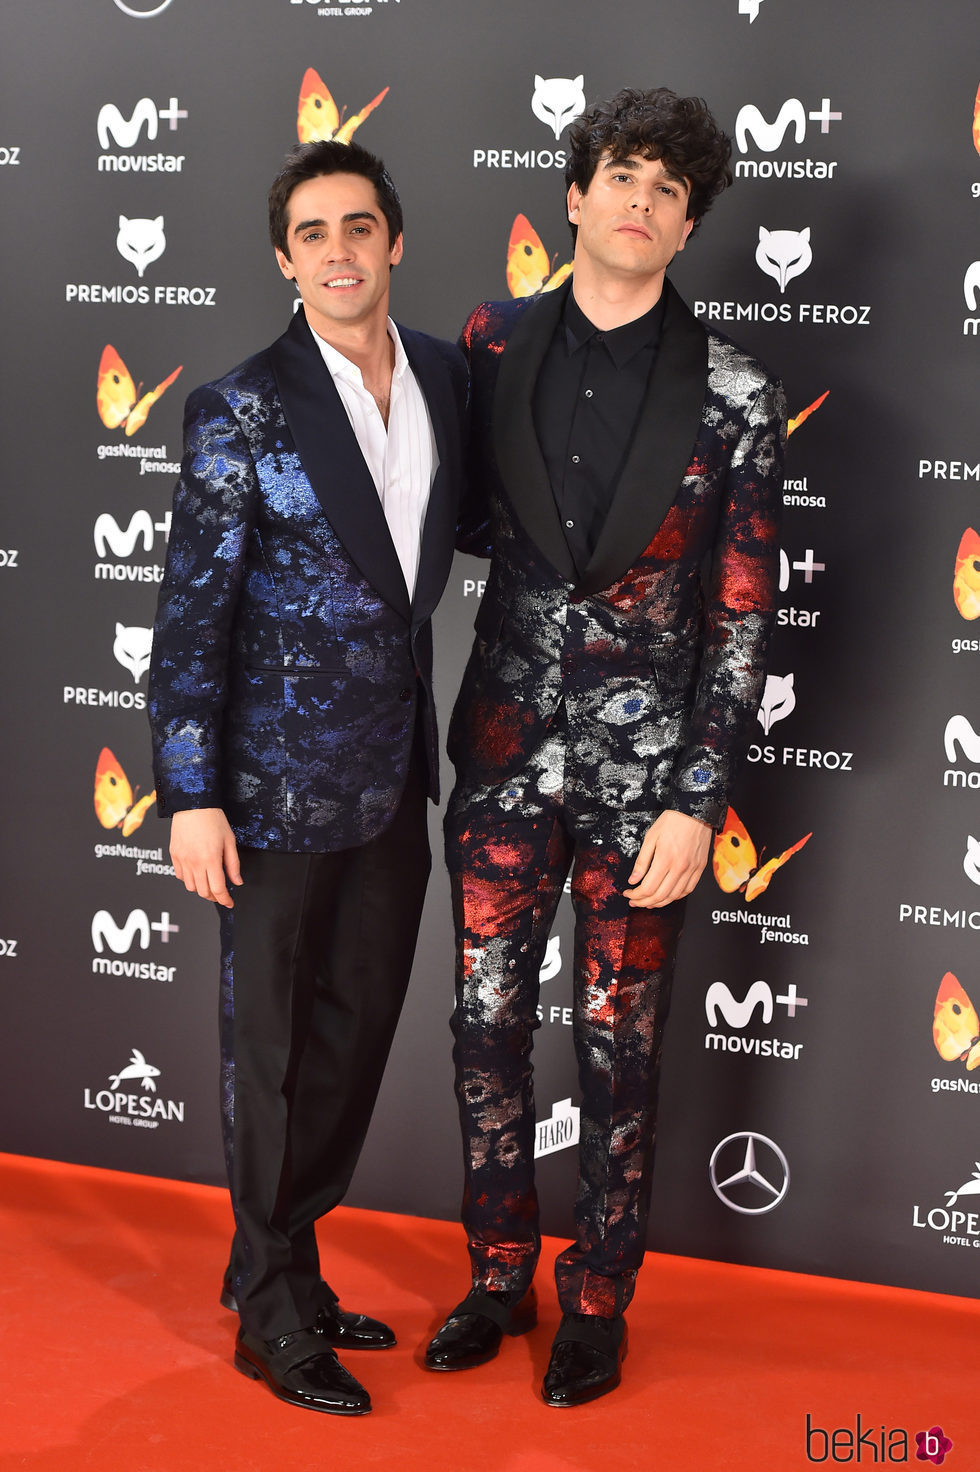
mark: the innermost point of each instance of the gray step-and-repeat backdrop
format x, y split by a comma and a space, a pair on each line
821, 1095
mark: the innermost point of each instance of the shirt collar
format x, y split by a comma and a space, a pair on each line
341, 367
622, 343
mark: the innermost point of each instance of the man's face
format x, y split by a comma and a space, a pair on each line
633, 219
339, 254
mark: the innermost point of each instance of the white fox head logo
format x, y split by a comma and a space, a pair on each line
141, 241
552, 959
971, 860
132, 649
783, 254
557, 101
749, 8
778, 701
971, 285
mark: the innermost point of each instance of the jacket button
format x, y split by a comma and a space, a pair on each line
405, 695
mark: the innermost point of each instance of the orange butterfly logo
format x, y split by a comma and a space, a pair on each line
966, 575
117, 397
317, 117
955, 1025
734, 861
804, 414
530, 269
976, 122
114, 806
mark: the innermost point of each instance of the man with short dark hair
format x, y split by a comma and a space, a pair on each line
627, 474
294, 733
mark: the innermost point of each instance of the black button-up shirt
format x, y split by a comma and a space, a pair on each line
586, 405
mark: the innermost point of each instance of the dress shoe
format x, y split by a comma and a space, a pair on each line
472, 1333
585, 1359
350, 1331
301, 1368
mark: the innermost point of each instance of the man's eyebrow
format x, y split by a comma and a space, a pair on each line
344, 220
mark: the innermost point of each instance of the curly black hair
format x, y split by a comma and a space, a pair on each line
654, 124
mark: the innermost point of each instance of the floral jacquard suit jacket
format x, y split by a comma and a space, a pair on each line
287, 656
657, 649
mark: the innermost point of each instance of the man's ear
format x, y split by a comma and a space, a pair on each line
285, 265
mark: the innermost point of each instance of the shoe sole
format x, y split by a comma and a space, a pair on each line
246, 1367
525, 1327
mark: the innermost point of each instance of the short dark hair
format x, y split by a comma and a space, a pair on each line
654, 124
309, 161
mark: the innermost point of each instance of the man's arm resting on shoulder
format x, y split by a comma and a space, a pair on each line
205, 854
671, 860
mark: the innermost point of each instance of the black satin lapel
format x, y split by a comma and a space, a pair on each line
518, 454
668, 427
328, 450
438, 530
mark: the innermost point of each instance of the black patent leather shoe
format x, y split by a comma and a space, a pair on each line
353, 1331
350, 1331
302, 1369
473, 1331
586, 1358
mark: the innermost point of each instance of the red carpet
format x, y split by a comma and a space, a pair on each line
117, 1357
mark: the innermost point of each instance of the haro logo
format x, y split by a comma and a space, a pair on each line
113, 127
749, 8
559, 1132
136, 926
131, 648
116, 805
558, 101
960, 734
783, 254
118, 399
767, 137
778, 701
109, 536
318, 119
530, 270
966, 575
955, 1025
141, 242
735, 859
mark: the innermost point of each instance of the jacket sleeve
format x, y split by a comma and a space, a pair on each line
214, 512
473, 532
739, 615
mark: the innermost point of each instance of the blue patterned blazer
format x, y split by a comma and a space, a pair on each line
657, 648
287, 656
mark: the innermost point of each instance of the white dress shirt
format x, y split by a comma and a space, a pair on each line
403, 458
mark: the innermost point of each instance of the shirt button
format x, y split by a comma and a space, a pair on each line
569, 523
575, 459
588, 393
598, 337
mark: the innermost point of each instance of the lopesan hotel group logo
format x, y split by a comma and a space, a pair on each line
344, 9
555, 102
134, 1096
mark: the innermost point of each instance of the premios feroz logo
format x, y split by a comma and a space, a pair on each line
784, 255
140, 241
556, 102
131, 649
778, 703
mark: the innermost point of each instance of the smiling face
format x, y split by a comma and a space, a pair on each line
631, 221
339, 253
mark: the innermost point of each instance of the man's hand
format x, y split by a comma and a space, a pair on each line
670, 862
203, 850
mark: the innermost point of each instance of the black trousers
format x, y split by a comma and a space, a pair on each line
316, 958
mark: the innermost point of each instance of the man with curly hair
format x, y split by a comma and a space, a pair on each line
626, 477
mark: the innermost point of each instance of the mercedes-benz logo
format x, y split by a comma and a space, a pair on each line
740, 1173
146, 14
